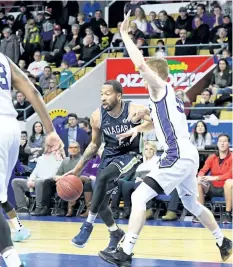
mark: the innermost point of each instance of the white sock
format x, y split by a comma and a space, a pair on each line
11, 258
113, 228
91, 217
17, 224
129, 243
217, 233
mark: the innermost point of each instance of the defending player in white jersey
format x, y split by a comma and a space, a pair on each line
11, 75
178, 164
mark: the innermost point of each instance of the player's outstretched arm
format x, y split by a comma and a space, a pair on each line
154, 81
138, 112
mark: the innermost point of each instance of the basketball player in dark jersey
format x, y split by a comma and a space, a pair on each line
119, 158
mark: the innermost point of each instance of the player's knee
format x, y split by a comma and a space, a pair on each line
138, 201
192, 205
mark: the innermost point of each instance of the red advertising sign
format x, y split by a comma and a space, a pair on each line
123, 70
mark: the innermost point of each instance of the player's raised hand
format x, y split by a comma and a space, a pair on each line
54, 145
125, 24
133, 132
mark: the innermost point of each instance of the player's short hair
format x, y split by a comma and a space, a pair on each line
117, 87
160, 66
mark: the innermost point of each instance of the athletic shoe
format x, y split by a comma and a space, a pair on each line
21, 235
225, 249
117, 257
82, 238
115, 238
227, 218
170, 216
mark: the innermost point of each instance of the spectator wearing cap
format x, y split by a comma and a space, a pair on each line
11, 23
3, 19
89, 9
74, 39
10, 46
201, 12
186, 50
82, 24
184, 21
105, 37
166, 25
36, 68
96, 21
47, 29
201, 32
23, 17
56, 47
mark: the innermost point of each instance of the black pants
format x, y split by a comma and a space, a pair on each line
5, 236
117, 196
57, 58
174, 202
49, 189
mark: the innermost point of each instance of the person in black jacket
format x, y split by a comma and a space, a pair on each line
23, 157
186, 50
96, 22
21, 104
166, 25
3, 19
23, 17
184, 21
201, 32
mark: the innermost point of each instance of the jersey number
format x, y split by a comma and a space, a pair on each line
3, 78
180, 105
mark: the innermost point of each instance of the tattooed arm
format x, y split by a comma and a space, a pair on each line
94, 145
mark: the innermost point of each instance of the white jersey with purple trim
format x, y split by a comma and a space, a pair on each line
171, 127
6, 104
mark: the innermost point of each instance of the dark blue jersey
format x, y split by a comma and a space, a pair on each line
112, 126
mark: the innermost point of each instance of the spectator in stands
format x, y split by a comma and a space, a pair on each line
56, 47
117, 40
74, 133
200, 136
82, 24
23, 157
85, 125
152, 28
181, 95
135, 31
23, 17
217, 19
96, 22
70, 10
183, 21
142, 42
132, 5
46, 168
46, 77
192, 8
55, 8
221, 80
49, 186
22, 104
35, 146
105, 37
11, 23
10, 45
166, 25
3, 19
201, 13
140, 19
22, 65
36, 68
66, 76
69, 56
89, 9
47, 29
74, 39
32, 39
219, 182
160, 50
220, 38
33, 80
200, 34
200, 114
186, 50
52, 84
90, 31
89, 51
227, 55
39, 21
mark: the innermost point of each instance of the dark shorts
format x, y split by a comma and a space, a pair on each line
215, 191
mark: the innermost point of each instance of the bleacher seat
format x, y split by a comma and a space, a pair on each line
218, 202
113, 30
204, 52
226, 115
168, 41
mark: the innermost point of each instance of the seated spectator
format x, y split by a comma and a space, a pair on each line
200, 136
221, 39
32, 39
200, 34
46, 168
47, 29
23, 157
23, 17
186, 50
89, 51
39, 20
90, 31
140, 19
105, 37
3, 19
46, 77
36, 68
219, 182
82, 24
22, 104
135, 31
227, 55
96, 22
52, 84
201, 114
66, 76
74, 134
89, 9
56, 47
85, 125
74, 39
117, 39
69, 56
161, 50
201, 13
33, 80
35, 145
10, 45
152, 28
142, 42
166, 25
11, 24
181, 95
221, 78
183, 21
49, 186
22, 65
217, 19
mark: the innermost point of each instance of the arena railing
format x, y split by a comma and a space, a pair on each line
108, 51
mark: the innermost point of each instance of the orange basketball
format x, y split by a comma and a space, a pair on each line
69, 188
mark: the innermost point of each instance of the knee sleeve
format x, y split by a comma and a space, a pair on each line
5, 236
192, 205
7, 207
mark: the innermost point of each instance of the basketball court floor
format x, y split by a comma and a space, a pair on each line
161, 244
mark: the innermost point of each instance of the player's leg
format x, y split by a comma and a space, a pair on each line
228, 196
